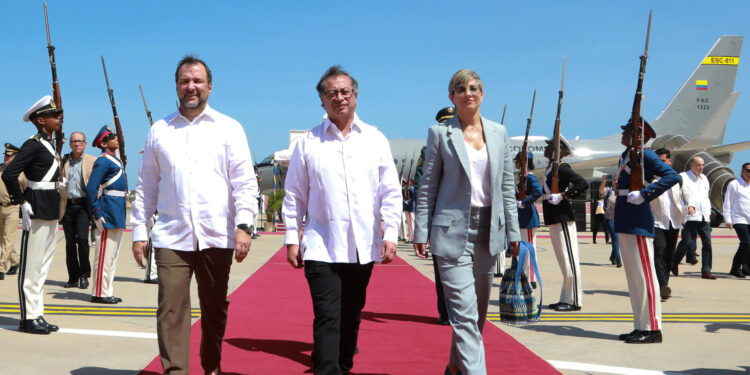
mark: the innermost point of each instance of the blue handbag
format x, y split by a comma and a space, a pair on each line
517, 301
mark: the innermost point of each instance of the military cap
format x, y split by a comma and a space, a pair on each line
10, 149
647, 129
104, 133
44, 106
564, 144
445, 113
529, 155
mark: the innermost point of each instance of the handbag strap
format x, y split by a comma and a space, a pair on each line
527, 248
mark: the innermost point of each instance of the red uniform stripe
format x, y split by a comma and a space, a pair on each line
650, 292
100, 266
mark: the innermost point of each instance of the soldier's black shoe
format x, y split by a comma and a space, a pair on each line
567, 307
443, 321
644, 337
83, 283
107, 300
33, 326
533, 285
118, 299
554, 305
12, 270
71, 284
52, 327
625, 336
151, 281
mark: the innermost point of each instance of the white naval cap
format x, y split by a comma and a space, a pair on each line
44, 105
564, 142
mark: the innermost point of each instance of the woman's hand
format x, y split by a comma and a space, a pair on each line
420, 250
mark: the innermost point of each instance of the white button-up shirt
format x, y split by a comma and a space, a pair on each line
737, 202
670, 211
346, 186
698, 189
200, 177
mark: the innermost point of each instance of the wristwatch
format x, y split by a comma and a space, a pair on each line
249, 229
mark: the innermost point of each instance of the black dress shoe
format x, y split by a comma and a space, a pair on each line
118, 299
12, 270
33, 326
151, 281
644, 337
625, 336
107, 300
554, 305
52, 327
665, 292
675, 270
443, 321
71, 284
83, 283
618, 263
612, 260
533, 285
744, 271
692, 261
737, 273
568, 307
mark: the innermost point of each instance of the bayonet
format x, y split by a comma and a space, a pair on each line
523, 160
118, 127
555, 189
55, 84
636, 135
148, 113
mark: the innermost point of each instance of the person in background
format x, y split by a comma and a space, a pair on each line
609, 195
528, 217
9, 219
737, 217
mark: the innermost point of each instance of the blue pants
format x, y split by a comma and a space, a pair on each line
609, 225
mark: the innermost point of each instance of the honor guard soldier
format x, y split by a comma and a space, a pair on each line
634, 224
9, 219
108, 213
559, 216
40, 208
528, 217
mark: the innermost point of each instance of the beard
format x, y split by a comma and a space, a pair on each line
191, 105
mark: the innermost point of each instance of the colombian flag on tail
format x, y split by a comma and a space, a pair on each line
701, 84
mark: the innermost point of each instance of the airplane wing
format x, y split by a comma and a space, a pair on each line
732, 147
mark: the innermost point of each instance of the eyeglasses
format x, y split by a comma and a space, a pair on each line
462, 90
77, 141
346, 93
746, 170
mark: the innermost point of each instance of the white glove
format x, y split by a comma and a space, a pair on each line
100, 224
519, 204
635, 197
62, 184
554, 199
26, 213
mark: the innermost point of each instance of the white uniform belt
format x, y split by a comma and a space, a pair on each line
623, 192
42, 185
115, 193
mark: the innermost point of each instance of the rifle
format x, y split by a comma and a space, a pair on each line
148, 113
55, 84
636, 127
408, 176
523, 160
502, 119
118, 127
555, 189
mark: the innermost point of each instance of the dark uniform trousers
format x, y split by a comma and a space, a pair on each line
211, 267
339, 292
75, 224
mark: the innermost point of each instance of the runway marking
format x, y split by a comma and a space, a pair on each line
94, 332
588, 367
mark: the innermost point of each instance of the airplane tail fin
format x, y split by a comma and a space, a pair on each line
706, 98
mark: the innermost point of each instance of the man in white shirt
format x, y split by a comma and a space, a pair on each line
737, 216
668, 219
197, 171
342, 181
696, 185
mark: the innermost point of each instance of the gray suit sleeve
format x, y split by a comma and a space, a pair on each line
432, 170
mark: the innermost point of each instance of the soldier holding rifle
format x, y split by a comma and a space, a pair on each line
634, 221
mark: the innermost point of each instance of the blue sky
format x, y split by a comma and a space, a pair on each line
266, 58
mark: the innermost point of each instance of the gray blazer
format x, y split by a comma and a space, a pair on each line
444, 199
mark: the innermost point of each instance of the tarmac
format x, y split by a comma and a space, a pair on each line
706, 322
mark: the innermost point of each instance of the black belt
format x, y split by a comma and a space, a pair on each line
76, 201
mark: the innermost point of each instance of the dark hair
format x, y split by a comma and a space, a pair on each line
192, 60
664, 151
745, 165
335, 70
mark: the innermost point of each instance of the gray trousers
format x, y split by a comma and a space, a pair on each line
467, 282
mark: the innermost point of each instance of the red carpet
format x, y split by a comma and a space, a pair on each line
270, 328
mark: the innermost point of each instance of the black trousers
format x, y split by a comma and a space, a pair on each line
597, 224
741, 258
339, 292
690, 231
665, 242
441, 306
75, 222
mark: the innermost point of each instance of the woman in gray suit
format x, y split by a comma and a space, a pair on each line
466, 206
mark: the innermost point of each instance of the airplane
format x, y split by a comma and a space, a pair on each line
692, 124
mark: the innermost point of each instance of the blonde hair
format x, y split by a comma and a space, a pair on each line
464, 76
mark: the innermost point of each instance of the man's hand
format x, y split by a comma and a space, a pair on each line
691, 210
62, 184
729, 225
514, 248
554, 199
420, 250
139, 251
242, 242
635, 197
293, 256
388, 250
